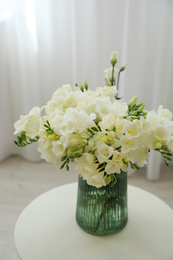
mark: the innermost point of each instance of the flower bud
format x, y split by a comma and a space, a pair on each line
127, 159
107, 83
81, 87
140, 108
123, 67
53, 137
85, 84
104, 139
113, 58
145, 112
158, 144
75, 148
111, 142
133, 102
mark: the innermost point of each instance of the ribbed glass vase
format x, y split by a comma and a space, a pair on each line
102, 211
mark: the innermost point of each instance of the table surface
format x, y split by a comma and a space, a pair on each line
47, 229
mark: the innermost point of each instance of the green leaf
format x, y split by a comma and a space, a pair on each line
62, 165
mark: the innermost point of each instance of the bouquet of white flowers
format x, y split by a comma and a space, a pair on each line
96, 130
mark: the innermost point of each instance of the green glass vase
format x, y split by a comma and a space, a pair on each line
102, 211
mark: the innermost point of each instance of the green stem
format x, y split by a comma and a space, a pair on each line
105, 207
112, 81
118, 79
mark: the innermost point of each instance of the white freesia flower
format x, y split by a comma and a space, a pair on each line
164, 113
103, 106
161, 118
108, 73
103, 151
73, 121
108, 91
58, 124
45, 148
139, 155
52, 109
118, 156
59, 101
97, 180
163, 134
58, 148
150, 140
119, 124
108, 122
76, 97
85, 159
152, 118
129, 144
119, 109
32, 123
146, 125
61, 95
116, 164
115, 167
132, 129
88, 170
78, 121
112, 167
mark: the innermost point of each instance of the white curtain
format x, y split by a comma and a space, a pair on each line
47, 43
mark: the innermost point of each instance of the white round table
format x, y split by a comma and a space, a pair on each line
47, 230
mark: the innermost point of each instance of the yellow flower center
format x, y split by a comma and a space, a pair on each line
128, 142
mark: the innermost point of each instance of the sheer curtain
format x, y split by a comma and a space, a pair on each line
47, 43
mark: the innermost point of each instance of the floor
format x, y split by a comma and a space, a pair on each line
21, 181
